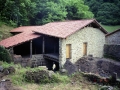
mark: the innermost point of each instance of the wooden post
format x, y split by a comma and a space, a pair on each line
31, 49
43, 46
12, 53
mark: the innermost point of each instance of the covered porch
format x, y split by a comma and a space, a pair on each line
43, 49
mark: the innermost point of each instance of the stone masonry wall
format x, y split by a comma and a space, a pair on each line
113, 38
93, 36
36, 60
112, 51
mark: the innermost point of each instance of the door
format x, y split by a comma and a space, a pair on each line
68, 51
85, 48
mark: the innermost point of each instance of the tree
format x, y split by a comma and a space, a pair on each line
4, 55
57, 10
49, 11
77, 10
18, 12
37, 12
105, 11
107, 14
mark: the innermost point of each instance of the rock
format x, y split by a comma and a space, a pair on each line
1, 75
1, 68
11, 70
43, 67
106, 88
50, 73
63, 71
90, 57
5, 71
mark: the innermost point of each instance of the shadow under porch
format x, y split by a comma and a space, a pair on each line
45, 49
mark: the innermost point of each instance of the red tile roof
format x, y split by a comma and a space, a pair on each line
65, 29
56, 29
18, 39
113, 32
24, 29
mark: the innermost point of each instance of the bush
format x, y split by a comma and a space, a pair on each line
4, 55
39, 76
43, 76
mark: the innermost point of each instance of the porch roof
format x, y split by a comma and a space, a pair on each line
24, 29
18, 39
66, 28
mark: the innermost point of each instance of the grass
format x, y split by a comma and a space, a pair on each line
111, 28
66, 82
76, 81
4, 31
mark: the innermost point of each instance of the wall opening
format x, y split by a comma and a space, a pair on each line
68, 51
84, 48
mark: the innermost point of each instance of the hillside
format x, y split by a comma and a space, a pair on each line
110, 28
4, 31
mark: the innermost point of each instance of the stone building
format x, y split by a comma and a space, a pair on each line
112, 46
76, 38
61, 41
113, 38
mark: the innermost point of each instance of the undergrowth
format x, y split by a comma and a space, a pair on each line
18, 78
57, 80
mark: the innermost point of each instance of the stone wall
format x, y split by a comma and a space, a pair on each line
36, 60
113, 38
112, 51
93, 36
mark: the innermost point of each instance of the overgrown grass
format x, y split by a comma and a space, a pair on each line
18, 78
110, 28
4, 30
76, 81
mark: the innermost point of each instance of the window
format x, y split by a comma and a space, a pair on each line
68, 51
85, 48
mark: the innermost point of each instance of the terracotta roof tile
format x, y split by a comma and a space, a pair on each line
18, 39
56, 29
63, 29
24, 29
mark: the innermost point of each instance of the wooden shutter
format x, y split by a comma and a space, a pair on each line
68, 51
84, 48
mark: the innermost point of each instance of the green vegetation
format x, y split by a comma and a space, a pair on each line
33, 12
110, 28
105, 11
4, 30
77, 81
4, 55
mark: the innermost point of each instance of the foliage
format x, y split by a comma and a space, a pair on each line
42, 77
4, 30
49, 11
65, 82
77, 10
4, 55
35, 12
106, 11
18, 12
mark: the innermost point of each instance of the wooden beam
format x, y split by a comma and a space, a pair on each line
43, 46
31, 49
